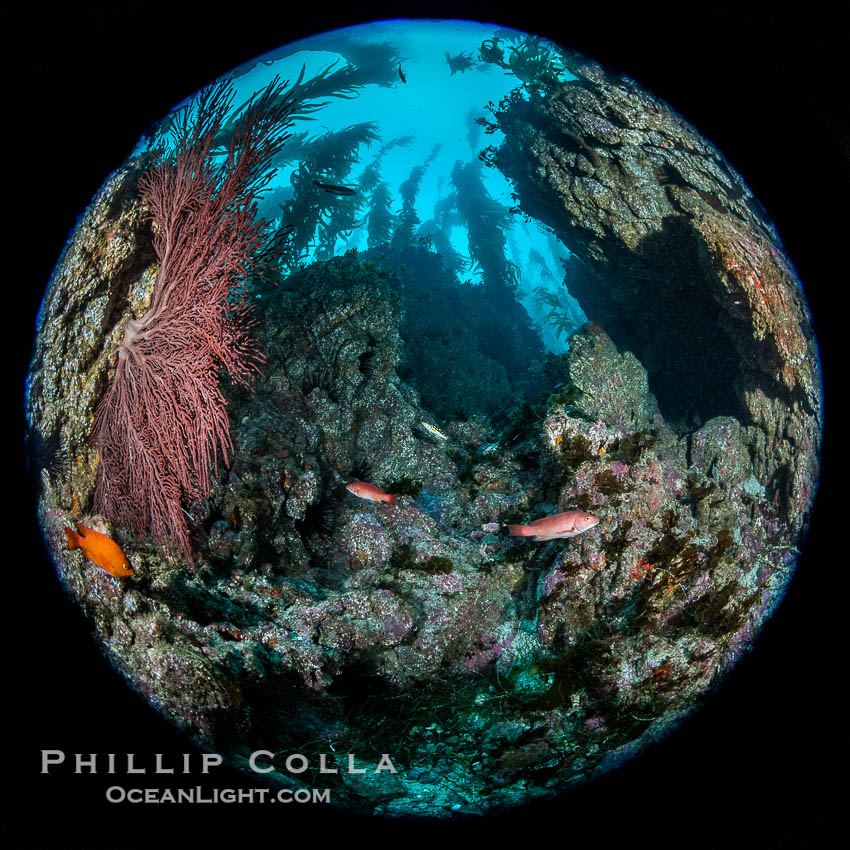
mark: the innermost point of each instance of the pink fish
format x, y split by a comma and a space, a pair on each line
567, 524
370, 492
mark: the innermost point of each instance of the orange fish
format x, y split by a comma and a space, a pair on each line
370, 492
100, 550
567, 524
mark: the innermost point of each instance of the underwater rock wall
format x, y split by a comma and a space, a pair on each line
297, 580
494, 669
105, 275
679, 263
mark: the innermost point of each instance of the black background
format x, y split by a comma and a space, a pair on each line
760, 762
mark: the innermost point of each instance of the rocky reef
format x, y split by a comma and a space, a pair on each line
492, 670
465, 353
678, 261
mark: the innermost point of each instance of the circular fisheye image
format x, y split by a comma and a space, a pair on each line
427, 413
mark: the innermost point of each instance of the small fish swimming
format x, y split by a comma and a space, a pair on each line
433, 430
370, 492
335, 190
401, 73
100, 550
567, 524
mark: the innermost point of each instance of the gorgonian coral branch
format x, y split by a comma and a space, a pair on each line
162, 423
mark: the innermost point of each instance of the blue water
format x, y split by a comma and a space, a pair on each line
436, 108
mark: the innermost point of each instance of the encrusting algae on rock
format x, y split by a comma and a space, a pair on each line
431, 591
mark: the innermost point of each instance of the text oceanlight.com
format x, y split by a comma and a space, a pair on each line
117, 794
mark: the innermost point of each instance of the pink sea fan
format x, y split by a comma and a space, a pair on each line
162, 422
